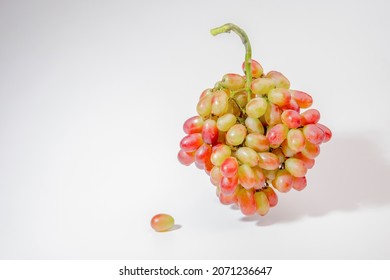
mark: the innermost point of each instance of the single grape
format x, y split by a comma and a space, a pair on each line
262, 86
311, 150
206, 92
226, 121
287, 151
257, 69
272, 115
246, 201
228, 185
257, 142
236, 135
191, 142
303, 99
210, 132
309, 162
241, 98
215, 175
299, 183
268, 161
202, 155
327, 132
248, 156
279, 96
162, 222
219, 153
276, 135
229, 167
313, 134
193, 125
186, 158
291, 118
292, 105
295, 167
310, 116
254, 125
233, 108
262, 203
271, 196
204, 105
259, 178
283, 181
296, 140
280, 80
219, 103
228, 199
246, 176
256, 107
233, 81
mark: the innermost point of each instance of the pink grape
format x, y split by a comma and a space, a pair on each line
280, 80
236, 135
262, 203
327, 132
162, 222
295, 167
246, 201
233, 81
268, 161
203, 154
279, 96
229, 167
271, 196
254, 125
299, 183
295, 140
219, 153
210, 132
309, 162
228, 199
186, 158
303, 99
262, 86
291, 118
228, 185
256, 107
276, 135
257, 69
310, 116
311, 150
246, 176
219, 103
193, 125
191, 142
248, 156
257, 142
313, 134
292, 105
283, 181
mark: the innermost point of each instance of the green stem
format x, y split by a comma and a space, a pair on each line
226, 28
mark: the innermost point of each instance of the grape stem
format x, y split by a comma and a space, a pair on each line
226, 28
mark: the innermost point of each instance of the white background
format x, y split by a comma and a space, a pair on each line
93, 95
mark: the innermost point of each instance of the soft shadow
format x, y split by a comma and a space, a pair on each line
175, 227
349, 175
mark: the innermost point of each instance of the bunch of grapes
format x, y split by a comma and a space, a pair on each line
253, 135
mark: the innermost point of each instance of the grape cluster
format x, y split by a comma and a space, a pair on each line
253, 140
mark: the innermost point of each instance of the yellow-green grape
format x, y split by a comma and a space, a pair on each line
295, 167
241, 98
262, 86
256, 107
262, 203
260, 178
233, 81
219, 103
233, 108
296, 140
215, 175
246, 176
162, 222
257, 142
248, 156
279, 153
287, 151
204, 106
236, 135
268, 161
226, 121
270, 174
280, 80
254, 125
257, 69
279, 96
219, 153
